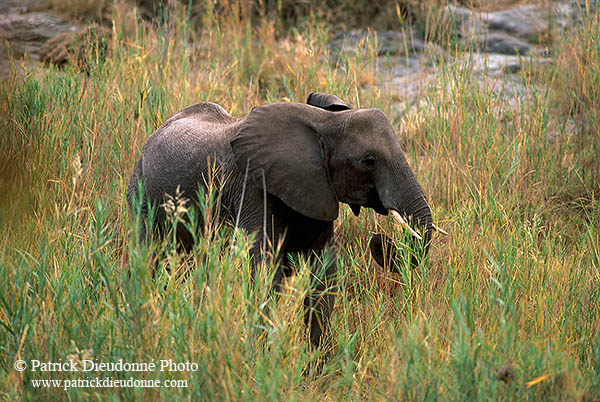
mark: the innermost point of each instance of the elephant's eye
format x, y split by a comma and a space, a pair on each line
368, 161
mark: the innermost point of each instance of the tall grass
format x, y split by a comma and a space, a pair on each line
515, 286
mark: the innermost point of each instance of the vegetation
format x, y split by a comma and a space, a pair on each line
506, 307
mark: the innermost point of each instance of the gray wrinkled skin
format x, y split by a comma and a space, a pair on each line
297, 162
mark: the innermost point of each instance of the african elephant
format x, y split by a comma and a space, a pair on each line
286, 167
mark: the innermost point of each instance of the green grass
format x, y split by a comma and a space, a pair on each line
516, 284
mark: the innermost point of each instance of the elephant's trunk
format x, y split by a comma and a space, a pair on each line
408, 205
419, 218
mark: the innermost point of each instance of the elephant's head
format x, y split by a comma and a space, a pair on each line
314, 156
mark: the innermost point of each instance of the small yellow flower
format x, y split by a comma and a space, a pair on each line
77, 169
176, 206
79, 355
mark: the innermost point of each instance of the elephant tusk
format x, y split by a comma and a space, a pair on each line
403, 222
439, 229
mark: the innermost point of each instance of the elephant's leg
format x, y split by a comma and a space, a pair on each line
147, 229
279, 263
166, 237
274, 287
138, 205
320, 300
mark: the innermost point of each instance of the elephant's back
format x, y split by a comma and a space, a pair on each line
201, 128
207, 112
179, 152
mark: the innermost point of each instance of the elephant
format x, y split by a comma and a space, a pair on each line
285, 168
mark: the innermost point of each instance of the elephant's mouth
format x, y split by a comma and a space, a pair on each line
383, 249
373, 202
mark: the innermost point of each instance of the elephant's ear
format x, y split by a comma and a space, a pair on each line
281, 145
327, 102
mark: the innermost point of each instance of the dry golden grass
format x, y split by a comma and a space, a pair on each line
82, 9
515, 284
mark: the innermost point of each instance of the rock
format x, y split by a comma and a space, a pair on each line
411, 87
528, 23
467, 22
21, 6
501, 43
399, 66
398, 43
508, 89
562, 15
27, 32
56, 50
389, 43
525, 22
72, 45
578, 11
491, 64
